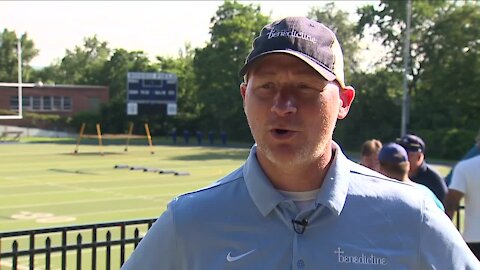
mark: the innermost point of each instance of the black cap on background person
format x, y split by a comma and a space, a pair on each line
412, 143
420, 172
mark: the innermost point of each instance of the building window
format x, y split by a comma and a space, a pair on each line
36, 103
27, 102
14, 103
67, 103
57, 103
47, 103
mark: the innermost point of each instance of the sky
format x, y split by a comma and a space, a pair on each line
155, 27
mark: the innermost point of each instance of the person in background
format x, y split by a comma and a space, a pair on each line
466, 183
420, 172
393, 162
369, 154
473, 152
298, 202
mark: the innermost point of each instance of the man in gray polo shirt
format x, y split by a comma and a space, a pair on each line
298, 202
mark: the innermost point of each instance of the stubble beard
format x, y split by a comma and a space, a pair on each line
300, 157
304, 155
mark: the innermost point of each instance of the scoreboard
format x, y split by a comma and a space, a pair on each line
148, 92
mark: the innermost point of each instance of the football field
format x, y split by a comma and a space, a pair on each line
46, 185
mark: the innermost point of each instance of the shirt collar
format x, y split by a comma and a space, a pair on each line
332, 194
336, 182
263, 194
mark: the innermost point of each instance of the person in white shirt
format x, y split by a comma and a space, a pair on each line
466, 183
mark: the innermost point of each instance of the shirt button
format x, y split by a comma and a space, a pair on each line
300, 264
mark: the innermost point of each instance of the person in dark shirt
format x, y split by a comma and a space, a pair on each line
420, 172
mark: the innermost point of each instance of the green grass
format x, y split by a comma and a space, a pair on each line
45, 185
49, 178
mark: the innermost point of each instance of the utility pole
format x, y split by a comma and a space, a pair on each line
406, 58
20, 100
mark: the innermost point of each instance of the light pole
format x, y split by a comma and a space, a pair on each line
406, 58
20, 101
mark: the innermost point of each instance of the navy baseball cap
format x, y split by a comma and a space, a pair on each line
412, 143
392, 153
309, 40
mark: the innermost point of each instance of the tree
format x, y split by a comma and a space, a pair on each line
84, 64
114, 74
375, 112
444, 67
337, 20
114, 71
216, 66
447, 89
9, 56
187, 90
388, 18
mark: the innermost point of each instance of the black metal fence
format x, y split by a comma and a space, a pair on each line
69, 244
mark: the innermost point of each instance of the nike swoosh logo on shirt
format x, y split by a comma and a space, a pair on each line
231, 258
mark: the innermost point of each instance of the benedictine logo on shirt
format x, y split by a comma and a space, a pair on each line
290, 33
367, 259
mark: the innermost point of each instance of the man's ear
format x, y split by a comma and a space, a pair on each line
347, 95
243, 91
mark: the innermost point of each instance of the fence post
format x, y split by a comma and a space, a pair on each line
137, 238
94, 247
79, 251
14, 257
122, 245
109, 243
32, 249
64, 249
47, 254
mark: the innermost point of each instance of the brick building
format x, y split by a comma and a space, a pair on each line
61, 100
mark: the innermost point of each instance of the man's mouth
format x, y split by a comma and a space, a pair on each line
280, 131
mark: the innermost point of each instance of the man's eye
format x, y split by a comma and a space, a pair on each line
267, 85
303, 86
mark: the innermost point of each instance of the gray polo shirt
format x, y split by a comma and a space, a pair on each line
361, 220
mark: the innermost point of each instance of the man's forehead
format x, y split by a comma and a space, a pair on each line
272, 64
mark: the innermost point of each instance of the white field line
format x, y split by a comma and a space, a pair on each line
103, 212
119, 197
73, 189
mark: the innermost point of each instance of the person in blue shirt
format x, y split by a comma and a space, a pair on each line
298, 202
393, 159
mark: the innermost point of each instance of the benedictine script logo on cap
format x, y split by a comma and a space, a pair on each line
290, 33
365, 259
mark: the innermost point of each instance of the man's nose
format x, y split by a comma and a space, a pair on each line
284, 104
